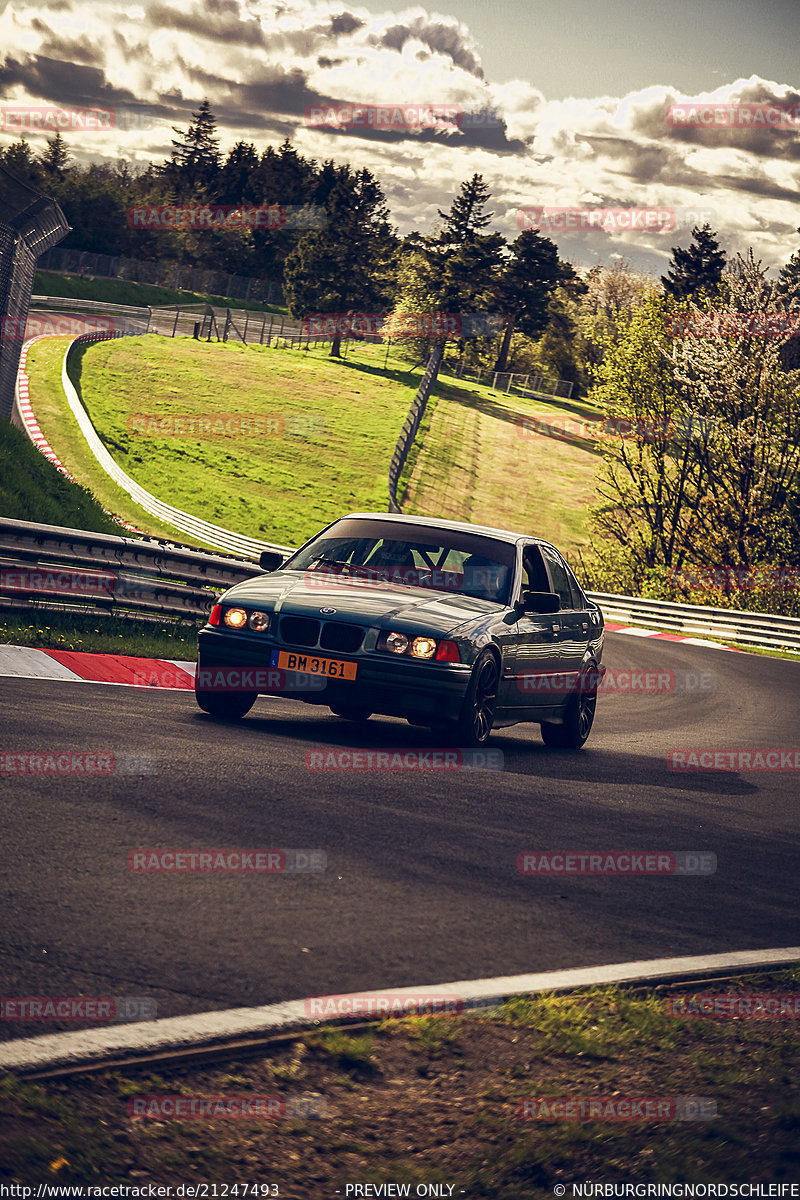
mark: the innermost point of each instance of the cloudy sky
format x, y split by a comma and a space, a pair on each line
566, 106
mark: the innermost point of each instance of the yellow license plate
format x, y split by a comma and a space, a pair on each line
310, 664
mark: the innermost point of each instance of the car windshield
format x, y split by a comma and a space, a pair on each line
443, 560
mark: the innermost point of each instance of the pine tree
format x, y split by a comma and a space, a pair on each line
698, 269
348, 265
528, 282
237, 182
56, 157
195, 160
20, 159
789, 278
466, 217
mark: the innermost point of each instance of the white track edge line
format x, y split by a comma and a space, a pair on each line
87, 1046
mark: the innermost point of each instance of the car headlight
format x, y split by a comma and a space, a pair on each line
396, 642
423, 647
413, 647
259, 621
236, 618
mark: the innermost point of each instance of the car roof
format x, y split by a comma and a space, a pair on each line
504, 535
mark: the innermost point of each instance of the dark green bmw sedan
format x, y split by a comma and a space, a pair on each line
457, 627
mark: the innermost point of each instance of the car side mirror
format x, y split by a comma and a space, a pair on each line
270, 560
539, 602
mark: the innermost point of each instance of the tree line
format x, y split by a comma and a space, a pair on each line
698, 495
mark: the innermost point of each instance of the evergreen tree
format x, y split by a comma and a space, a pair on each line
195, 160
697, 269
466, 217
238, 183
789, 278
347, 266
55, 158
528, 282
20, 159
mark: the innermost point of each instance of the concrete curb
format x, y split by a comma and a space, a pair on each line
86, 1047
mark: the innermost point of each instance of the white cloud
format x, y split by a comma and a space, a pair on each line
263, 62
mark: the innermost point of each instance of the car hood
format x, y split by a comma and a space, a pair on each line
363, 601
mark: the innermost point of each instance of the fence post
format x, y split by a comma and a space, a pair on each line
244, 335
175, 326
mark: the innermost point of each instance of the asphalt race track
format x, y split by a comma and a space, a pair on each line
422, 884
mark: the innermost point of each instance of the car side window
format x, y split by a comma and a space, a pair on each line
558, 573
578, 598
534, 573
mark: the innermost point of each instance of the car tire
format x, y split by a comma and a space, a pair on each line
579, 714
225, 707
350, 712
474, 723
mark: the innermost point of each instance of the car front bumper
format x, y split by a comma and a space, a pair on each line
416, 690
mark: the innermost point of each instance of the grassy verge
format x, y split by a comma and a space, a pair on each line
330, 428
63, 433
102, 635
480, 463
437, 1099
32, 489
472, 462
138, 295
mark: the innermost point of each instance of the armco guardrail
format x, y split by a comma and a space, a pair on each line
53, 567
133, 577
411, 425
730, 624
101, 307
204, 531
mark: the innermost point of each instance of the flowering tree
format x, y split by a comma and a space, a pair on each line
701, 463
